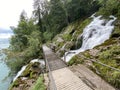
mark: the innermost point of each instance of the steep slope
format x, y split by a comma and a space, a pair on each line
66, 40
103, 59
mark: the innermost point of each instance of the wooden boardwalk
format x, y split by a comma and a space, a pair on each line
54, 62
65, 79
90, 78
71, 78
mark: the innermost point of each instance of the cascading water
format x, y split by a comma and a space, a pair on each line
98, 31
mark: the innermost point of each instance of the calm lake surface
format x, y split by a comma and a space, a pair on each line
4, 70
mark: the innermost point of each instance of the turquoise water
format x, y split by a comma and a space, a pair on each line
4, 80
4, 70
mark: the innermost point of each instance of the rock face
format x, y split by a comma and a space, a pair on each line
28, 77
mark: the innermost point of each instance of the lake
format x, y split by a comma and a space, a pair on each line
4, 70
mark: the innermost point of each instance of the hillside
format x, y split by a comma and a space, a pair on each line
104, 59
93, 41
107, 53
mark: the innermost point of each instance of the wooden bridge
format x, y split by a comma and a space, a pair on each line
76, 77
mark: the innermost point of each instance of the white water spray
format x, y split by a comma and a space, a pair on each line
94, 34
20, 72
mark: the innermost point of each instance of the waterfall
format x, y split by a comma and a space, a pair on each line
98, 31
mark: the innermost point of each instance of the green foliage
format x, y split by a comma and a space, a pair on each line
57, 17
110, 7
49, 19
60, 44
25, 27
34, 44
25, 44
54, 15
39, 85
108, 57
81, 8
31, 74
15, 64
82, 25
76, 60
47, 36
108, 54
67, 37
116, 32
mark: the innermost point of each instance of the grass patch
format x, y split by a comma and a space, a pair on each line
76, 60
39, 85
109, 57
66, 37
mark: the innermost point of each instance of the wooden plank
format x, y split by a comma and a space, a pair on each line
90, 78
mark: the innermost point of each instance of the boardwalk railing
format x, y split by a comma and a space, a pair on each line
51, 80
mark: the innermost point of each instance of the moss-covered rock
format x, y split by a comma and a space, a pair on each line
28, 77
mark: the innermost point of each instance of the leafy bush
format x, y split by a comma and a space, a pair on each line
110, 7
47, 36
25, 44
